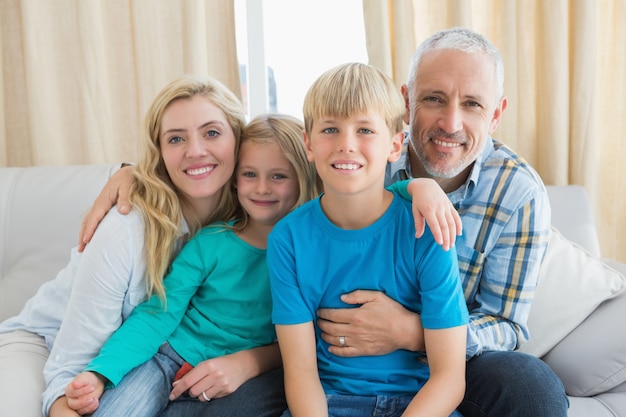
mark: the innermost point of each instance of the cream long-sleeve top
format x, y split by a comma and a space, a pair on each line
87, 301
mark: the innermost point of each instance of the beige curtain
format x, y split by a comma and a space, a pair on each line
78, 75
565, 77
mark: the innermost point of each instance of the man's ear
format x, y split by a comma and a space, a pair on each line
396, 147
407, 110
497, 114
307, 146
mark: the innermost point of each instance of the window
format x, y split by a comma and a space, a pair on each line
284, 45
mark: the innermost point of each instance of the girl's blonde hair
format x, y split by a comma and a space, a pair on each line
286, 132
350, 89
154, 194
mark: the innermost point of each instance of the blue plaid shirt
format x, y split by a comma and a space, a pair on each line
506, 221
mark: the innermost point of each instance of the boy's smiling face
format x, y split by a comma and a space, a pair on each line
351, 154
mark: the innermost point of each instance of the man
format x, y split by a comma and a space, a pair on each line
454, 102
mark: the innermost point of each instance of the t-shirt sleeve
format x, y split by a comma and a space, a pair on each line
401, 188
443, 302
288, 305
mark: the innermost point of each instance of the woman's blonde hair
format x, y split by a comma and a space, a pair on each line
156, 197
286, 132
350, 89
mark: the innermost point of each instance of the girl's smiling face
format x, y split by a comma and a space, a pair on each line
267, 183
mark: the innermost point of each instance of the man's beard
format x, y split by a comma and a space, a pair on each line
434, 168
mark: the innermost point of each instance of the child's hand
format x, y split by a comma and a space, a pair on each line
217, 377
432, 205
84, 392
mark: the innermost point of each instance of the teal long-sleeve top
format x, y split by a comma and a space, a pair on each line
218, 302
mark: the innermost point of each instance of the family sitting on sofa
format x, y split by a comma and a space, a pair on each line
195, 139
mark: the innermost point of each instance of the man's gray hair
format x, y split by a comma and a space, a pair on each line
464, 40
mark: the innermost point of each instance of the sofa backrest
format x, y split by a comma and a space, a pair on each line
41, 210
572, 215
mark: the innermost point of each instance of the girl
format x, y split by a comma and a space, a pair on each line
217, 302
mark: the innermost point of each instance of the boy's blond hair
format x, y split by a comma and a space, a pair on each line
350, 89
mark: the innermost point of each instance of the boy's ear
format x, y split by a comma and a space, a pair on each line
307, 146
396, 147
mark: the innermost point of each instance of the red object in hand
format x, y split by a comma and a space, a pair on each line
183, 371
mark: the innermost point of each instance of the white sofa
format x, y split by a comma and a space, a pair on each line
41, 210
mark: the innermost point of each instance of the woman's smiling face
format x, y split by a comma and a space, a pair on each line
198, 149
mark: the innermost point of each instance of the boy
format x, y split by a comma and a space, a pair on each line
353, 127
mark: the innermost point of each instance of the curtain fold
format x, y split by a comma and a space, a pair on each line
565, 71
78, 75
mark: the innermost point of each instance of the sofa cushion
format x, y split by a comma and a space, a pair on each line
572, 283
605, 405
592, 358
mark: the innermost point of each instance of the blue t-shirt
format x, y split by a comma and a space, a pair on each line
312, 262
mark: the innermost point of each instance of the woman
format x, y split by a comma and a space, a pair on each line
190, 142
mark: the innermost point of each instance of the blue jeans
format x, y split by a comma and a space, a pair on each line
144, 392
263, 396
512, 384
364, 406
